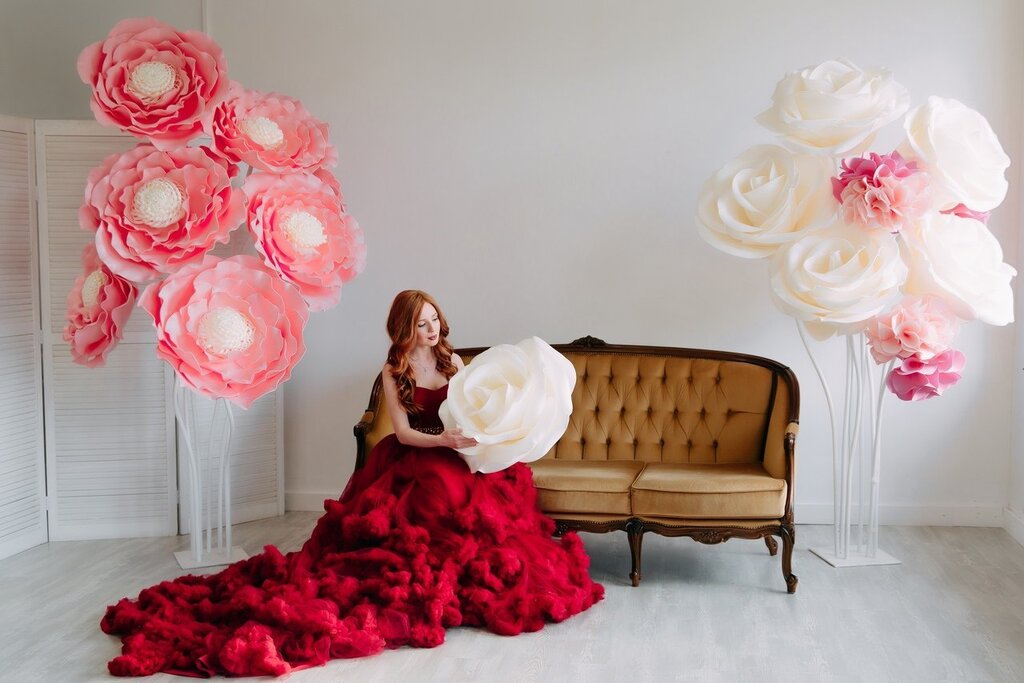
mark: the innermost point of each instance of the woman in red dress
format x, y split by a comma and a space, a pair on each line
416, 544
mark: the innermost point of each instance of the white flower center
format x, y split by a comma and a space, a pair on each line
262, 131
223, 331
92, 286
151, 80
304, 230
159, 203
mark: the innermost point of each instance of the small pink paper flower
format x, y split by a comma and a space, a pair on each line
300, 229
963, 212
154, 211
922, 326
881, 190
152, 80
230, 328
270, 132
917, 379
99, 306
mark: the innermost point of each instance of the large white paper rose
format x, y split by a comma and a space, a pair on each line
514, 400
959, 260
834, 108
960, 152
837, 278
763, 198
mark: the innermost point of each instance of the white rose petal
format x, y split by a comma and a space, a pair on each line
764, 198
958, 149
834, 108
959, 260
514, 400
835, 279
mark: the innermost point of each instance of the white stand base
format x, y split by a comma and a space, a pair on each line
854, 558
212, 558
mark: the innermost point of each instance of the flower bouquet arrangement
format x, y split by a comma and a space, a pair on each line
231, 328
893, 245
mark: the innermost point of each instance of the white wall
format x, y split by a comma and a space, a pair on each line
535, 166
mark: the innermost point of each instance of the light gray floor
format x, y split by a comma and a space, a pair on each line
951, 612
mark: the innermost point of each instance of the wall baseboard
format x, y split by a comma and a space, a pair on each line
910, 515
1013, 522
810, 513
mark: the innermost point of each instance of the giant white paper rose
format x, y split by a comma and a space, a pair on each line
960, 152
514, 400
835, 279
763, 198
834, 108
959, 260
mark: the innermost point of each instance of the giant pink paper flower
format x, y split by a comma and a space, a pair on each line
922, 326
270, 132
230, 328
881, 191
99, 305
152, 80
154, 211
918, 379
299, 227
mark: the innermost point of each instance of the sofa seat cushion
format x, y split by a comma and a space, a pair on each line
733, 491
582, 486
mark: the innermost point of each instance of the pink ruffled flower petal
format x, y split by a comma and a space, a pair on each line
152, 80
270, 132
98, 308
919, 326
962, 211
881, 191
230, 328
154, 212
301, 230
917, 379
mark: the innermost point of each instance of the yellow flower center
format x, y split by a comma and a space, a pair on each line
159, 203
149, 81
224, 330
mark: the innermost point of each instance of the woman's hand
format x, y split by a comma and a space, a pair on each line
453, 438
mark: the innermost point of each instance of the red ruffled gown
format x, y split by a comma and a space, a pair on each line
416, 544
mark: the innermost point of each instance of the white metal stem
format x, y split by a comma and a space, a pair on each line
856, 414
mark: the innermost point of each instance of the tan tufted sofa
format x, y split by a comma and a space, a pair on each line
679, 442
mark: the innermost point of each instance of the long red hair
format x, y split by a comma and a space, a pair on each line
402, 318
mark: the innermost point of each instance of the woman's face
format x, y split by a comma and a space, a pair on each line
428, 326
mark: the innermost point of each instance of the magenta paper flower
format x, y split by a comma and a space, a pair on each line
152, 80
922, 326
99, 305
881, 191
300, 229
270, 132
230, 328
154, 211
917, 379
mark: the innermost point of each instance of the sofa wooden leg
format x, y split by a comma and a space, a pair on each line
635, 533
788, 541
773, 547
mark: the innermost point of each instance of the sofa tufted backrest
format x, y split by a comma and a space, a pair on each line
660, 404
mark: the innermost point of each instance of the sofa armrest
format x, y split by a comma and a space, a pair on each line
361, 429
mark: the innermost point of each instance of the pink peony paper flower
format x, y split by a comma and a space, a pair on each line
881, 190
922, 326
270, 132
332, 182
962, 211
152, 80
301, 230
154, 211
918, 379
99, 306
230, 328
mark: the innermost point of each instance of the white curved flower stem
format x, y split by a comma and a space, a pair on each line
185, 412
836, 455
876, 461
855, 382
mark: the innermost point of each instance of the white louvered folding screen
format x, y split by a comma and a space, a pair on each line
109, 430
22, 473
